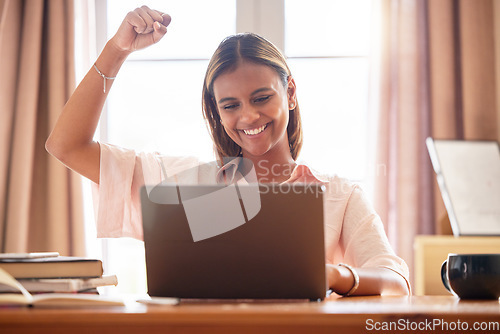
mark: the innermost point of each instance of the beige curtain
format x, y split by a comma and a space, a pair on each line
437, 78
40, 200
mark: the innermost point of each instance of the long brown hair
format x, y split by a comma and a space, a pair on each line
231, 51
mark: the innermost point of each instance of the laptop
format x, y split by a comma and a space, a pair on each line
234, 242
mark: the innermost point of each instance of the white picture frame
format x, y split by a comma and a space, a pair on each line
468, 175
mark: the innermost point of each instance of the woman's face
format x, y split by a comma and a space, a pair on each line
253, 106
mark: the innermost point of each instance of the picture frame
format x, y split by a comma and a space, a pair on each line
468, 175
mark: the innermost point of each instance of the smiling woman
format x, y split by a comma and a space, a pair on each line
250, 102
257, 123
331, 70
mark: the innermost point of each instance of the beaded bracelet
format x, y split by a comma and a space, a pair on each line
103, 77
356, 279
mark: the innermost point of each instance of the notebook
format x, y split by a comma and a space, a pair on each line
468, 174
235, 242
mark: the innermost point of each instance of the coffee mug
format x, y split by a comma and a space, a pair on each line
472, 276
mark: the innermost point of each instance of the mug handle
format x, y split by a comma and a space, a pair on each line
444, 276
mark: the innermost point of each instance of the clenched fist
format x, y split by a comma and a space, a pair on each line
141, 28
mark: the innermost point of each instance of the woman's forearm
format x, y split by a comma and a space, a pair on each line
372, 281
71, 140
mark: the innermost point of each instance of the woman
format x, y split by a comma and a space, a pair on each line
250, 104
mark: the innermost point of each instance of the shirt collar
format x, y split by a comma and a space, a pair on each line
228, 172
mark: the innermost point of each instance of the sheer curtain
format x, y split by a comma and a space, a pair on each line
434, 75
40, 199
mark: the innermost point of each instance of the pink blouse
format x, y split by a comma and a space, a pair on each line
354, 233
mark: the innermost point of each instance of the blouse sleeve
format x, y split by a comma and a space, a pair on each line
123, 172
364, 239
117, 196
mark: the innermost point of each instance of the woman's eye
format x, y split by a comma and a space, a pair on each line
262, 99
229, 106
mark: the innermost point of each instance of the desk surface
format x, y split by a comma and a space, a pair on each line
440, 314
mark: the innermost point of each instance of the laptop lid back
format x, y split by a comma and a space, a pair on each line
271, 249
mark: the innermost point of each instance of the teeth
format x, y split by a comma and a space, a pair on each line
255, 131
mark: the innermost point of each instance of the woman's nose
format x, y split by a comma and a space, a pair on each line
249, 114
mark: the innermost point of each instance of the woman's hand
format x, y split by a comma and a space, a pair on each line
141, 28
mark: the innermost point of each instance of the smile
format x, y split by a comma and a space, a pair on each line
256, 131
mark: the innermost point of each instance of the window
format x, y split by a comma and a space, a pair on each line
155, 104
327, 45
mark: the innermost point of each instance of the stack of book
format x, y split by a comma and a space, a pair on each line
51, 273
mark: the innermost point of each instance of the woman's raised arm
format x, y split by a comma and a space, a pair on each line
71, 140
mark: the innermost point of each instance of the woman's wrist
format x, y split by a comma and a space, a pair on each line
341, 279
117, 50
111, 59
355, 276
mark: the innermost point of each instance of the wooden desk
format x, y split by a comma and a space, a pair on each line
335, 315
